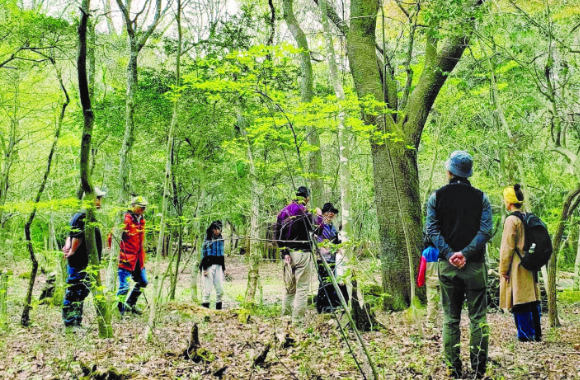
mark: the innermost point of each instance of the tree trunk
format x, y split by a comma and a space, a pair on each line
254, 254
570, 204
129, 138
110, 25
9, 148
395, 168
576, 286
343, 133
307, 93
194, 271
4, 280
175, 276
25, 318
156, 286
136, 41
100, 299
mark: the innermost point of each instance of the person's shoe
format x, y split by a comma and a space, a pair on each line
218, 305
136, 310
205, 304
121, 308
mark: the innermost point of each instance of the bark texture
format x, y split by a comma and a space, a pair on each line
395, 168
307, 93
103, 312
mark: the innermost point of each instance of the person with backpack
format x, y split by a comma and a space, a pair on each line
519, 290
292, 233
327, 298
213, 264
459, 223
429, 275
75, 252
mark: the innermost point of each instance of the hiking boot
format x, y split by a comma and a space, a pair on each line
218, 305
136, 310
206, 305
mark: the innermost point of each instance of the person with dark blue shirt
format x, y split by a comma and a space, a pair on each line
75, 252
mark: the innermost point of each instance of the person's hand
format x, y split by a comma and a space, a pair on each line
287, 259
225, 274
457, 260
205, 273
318, 211
341, 283
65, 250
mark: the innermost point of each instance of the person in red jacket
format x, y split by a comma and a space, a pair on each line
132, 257
429, 275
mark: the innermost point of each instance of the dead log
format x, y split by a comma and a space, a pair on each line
194, 351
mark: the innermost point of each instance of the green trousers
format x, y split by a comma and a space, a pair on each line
458, 285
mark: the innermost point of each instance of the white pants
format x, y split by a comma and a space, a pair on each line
214, 278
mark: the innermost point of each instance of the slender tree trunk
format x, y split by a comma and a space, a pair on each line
343, 133
9, 149
307, 93
100, 298
110, 25
156, 286
25, 318
4, 280
570, 204
577, 267
129, 138
254, 233
175, 277
194, 271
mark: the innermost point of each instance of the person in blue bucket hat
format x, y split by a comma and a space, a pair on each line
459, 223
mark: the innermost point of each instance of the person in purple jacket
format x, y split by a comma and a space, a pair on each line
292, 233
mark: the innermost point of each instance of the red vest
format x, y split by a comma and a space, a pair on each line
132, 243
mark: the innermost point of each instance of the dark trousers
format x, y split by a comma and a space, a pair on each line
457, 285
527, 318
78, 288
327, 298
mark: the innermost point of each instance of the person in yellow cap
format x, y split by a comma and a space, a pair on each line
519, 291
132, 257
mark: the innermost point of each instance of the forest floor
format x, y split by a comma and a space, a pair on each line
46, 351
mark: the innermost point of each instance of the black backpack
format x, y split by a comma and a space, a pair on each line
536, 233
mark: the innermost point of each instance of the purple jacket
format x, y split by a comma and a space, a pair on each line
293, 226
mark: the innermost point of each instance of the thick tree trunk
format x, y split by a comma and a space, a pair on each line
307, 93
100, 299
25, 318
395, 168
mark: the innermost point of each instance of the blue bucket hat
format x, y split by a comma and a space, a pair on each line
460, 163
